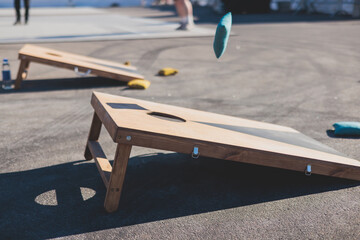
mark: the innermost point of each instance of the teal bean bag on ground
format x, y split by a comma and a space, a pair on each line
347, 128
222, 34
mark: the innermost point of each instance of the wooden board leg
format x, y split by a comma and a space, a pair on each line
22, 72
25, 73
93, 134
117, 177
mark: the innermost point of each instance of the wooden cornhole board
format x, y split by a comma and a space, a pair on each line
141, 123
80, 64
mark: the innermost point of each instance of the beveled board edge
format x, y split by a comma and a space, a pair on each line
238, 154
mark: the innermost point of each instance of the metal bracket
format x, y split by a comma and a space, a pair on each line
195, 153
308, 170
76, 69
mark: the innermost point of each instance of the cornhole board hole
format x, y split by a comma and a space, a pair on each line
80, 64
131, 122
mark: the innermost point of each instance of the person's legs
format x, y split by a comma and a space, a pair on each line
181, 10
185, 12
17, 10
189, 11
27, 5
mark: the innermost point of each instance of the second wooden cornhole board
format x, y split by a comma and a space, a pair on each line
31, 53
131, 122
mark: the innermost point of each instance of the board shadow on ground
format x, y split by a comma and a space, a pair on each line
44, 85
157, 187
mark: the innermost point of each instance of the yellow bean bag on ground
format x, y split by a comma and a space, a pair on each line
168, 71
139, 84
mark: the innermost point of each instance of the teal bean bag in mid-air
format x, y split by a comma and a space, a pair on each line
222, 34
347, 128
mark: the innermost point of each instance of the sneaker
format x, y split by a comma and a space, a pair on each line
185, 27
17, 22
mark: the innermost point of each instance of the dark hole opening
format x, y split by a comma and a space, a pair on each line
54, 54
165, 116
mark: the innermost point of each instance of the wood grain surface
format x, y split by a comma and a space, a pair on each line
160, 126
103, 68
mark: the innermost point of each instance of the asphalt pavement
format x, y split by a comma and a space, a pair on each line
301, 71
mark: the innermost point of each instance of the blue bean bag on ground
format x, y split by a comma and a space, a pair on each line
347, 128
222, 34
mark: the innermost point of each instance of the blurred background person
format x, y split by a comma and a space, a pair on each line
17, 10
185, 11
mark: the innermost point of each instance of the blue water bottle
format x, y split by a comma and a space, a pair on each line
6, 75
